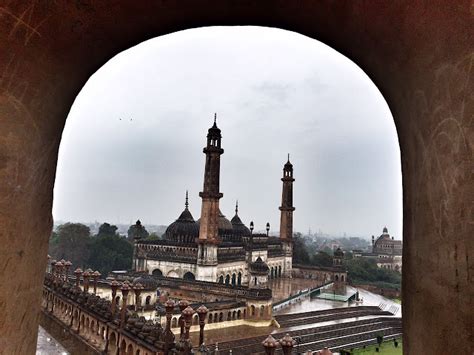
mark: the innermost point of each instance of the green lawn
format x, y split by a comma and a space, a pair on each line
387, 349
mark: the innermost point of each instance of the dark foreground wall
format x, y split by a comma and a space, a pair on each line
419, 53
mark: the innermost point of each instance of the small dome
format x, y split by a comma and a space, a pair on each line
238, 227
259, 267
385, 230
147, 282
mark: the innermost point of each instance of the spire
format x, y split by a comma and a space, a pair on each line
236, 207
186, 204
288, 157
215, 119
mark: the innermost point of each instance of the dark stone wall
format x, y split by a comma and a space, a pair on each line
419, 54
68, 338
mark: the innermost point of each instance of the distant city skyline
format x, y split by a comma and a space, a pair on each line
133, 140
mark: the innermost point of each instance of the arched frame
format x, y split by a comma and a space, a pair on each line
418, 54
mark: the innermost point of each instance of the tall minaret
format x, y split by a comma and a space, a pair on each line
209, 224
286, 216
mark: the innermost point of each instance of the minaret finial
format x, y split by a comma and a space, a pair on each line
215, 117
236, 207
186, 204
288, 157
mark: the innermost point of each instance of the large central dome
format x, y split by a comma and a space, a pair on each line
226, 228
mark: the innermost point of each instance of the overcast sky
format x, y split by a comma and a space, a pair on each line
133, 140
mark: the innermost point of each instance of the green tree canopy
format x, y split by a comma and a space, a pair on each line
300, 250
321, 258
365, 270
70, 242
110, 252
153, 236
107, 229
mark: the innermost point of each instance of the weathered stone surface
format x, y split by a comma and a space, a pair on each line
419, 53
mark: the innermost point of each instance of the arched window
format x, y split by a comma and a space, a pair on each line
239, 279
147, 300
233, 279
227, 279
221, 279
252, 310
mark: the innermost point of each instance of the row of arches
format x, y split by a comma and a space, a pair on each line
126, 347
259, 311
91, 329
275, 272
172, 273
234, 279
215, 317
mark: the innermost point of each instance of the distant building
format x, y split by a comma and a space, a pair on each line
385, 250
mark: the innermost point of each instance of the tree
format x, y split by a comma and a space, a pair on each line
70, 242
300, 251
107, 229
137, 230
110, 252
321, 259
153, 236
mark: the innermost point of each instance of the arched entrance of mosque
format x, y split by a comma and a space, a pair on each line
157, 272
428, 95
189, 276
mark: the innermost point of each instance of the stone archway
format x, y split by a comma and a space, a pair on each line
418, 54
189, 276
157, 272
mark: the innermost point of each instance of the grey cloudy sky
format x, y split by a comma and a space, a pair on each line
133, 140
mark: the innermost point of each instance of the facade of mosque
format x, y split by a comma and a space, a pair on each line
386, 250
215, 249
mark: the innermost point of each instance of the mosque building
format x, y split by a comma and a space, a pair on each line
215, 249
386, 250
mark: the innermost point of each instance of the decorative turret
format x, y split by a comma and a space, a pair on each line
286, 216
338, 257
258, 273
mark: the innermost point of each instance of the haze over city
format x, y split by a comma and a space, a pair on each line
133, 140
